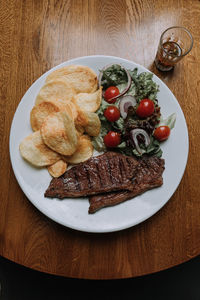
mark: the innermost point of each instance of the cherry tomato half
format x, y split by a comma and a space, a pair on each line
112, 139
162, 133
145, 108
111, 92
112, 113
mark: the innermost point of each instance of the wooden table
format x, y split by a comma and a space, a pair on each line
34, 37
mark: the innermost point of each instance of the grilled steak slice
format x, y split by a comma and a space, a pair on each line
110, 171
148, 176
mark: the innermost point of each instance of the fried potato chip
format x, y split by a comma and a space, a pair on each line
40, 112
81, 78
53, 90
81, 119
71, 109
83, 152
79, 129
89, 102
59, 133
57, 169
94, 124
33, 149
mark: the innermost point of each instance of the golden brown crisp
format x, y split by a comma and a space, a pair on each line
59, 133
55, 90
81, 78
58, 168
89, 102
83, 152
33, 149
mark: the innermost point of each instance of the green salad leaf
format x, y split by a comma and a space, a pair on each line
115, 75
144, 85
169, 121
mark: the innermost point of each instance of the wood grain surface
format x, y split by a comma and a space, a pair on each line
34, 37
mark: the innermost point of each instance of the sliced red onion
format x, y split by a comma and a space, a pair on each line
125, 103
134, 133
128, 82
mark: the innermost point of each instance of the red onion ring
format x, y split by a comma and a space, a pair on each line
125, 102
134, 133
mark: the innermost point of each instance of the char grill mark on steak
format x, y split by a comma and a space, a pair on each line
148, 176
104, 171
110, 171
77, 185
88, 178
83, 174
98, 173
124, 169
114, 174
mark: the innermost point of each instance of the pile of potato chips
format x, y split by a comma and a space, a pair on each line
63, 119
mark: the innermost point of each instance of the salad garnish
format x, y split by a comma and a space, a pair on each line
131, 120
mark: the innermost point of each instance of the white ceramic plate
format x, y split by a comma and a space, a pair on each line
73, 213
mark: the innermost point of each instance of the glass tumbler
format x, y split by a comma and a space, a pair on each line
175, 43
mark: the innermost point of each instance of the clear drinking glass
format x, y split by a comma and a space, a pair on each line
175, 43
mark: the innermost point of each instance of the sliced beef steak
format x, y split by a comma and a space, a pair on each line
110, 171
148, 176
